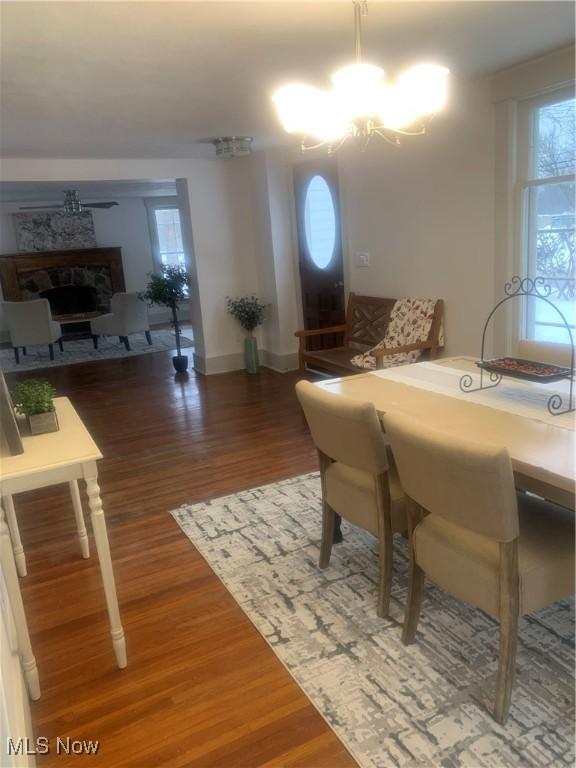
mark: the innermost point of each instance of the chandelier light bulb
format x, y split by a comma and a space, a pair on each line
358, 89
295, 103
426, 86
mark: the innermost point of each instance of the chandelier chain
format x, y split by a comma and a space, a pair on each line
360, 9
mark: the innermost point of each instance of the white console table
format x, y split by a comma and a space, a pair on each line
65, 456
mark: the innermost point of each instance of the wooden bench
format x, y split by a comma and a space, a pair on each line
367, 319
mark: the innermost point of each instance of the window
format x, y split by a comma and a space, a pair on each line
170, 247
547, 163
319, 222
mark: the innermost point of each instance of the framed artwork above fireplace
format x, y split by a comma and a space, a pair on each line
55, 230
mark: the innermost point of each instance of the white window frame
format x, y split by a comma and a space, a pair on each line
154, 204
525, 181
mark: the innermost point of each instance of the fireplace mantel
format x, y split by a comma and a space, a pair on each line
25, 275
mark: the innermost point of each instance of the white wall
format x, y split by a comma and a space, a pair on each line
272, 199
222, 224
424, 212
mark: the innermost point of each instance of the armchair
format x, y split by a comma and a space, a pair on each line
30, 323
129, 315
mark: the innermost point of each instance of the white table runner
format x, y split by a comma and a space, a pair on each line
523, 398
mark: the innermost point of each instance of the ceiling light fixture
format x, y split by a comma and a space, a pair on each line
233, 146
72, 204
361, 104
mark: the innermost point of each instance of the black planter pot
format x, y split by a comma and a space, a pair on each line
180, 363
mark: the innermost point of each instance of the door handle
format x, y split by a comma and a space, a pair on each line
339, 284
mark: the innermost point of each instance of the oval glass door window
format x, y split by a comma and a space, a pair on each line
319, 222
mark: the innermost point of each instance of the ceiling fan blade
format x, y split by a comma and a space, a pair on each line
109, 204
38, 207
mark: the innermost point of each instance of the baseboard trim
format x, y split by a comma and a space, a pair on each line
279, 363
235, 362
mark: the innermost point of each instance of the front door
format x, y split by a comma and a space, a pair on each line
320, 247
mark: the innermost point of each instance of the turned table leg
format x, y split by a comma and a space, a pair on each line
103, 549
17, 606
17, 547
80, 525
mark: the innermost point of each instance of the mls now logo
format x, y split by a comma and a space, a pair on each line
41, 746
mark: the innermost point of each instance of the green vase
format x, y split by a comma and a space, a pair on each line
251, 354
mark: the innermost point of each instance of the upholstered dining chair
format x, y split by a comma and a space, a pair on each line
358, 482
506, 553
30, 323
548, 352
129, 314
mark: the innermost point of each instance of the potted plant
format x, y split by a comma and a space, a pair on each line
34, 399
250, 313
168, 289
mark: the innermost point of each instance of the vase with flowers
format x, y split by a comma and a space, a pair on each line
250, 312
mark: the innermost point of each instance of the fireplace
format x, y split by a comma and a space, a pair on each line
71, 299
75, 282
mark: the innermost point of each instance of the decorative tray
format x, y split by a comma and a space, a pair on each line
525, 369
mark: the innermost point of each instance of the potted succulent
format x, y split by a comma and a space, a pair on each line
34, 399
168, 289
250, 312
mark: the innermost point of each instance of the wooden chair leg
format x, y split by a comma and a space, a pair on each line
328, 520
338, 537
51, 350
328, 515
148, 337
385, 572
17, 355
509, 614
95, 340
385, 542
61, 345
413, 602
506, 666
414, 514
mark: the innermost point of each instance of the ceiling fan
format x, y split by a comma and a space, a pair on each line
71, 205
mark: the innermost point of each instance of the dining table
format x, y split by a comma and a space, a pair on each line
513, 414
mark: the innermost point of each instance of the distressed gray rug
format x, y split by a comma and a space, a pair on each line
82, 351
391, 705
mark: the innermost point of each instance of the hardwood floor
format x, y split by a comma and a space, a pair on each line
202, 688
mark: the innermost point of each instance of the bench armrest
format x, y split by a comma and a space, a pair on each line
321, 331
303, 335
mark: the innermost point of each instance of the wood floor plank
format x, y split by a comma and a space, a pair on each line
202, 687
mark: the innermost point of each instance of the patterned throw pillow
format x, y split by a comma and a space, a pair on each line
410, 323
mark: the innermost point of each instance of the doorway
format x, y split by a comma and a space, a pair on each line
320, 258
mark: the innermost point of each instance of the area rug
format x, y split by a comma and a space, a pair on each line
390, 704
82, 351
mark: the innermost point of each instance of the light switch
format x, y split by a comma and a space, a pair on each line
362, 259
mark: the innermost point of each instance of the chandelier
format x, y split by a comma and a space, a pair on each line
362, 103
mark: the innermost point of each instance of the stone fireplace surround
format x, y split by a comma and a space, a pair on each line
74, 281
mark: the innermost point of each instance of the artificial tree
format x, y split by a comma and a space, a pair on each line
168, 289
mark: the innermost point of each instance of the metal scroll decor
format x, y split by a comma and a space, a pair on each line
536, 288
